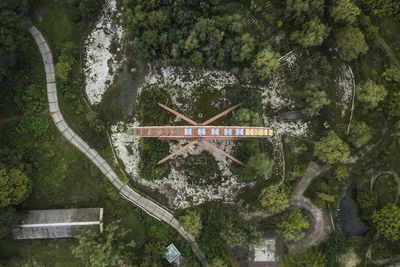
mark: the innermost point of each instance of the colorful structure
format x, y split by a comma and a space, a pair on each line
201, 132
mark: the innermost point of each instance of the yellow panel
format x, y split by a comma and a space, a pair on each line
271, 132
247, 132
261, 132
251, 132
266, 132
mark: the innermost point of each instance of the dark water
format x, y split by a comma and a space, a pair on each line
350, 223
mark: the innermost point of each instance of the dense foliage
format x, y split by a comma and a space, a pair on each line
110, 248
331, 149
291, 223
387, 221
275, 199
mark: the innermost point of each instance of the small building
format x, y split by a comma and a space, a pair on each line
266, 254
172, 254
61, 223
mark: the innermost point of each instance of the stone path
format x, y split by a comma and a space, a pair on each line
126, 192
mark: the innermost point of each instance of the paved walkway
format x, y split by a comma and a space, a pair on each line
126, 192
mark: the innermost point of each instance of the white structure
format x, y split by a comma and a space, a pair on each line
41, 224
265, 254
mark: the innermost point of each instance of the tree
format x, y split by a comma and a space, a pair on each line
275, 199
367, 200
66, 60
342, 172
392, 74
325, 197
308, 259
191, 222
90, 8
291, 224
12, 34
246, 117
106, 249
265, 63
8, 220
311, 99
299, 11
344, 11
382, 7
312, 33
13, 187
370, 93
351, 42
387, 222
217, 262
331, 149
360, 134
232, 235
259, 164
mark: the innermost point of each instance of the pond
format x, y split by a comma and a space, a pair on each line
350, 223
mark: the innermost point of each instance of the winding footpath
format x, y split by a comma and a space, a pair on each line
126, 192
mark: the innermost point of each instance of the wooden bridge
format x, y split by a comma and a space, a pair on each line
201, 132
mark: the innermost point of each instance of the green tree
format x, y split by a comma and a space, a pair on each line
342, 173
367, 200
191, 222
232, 235
370, 93
106, 249
351, 42
344, 11
13, 187
291, 224
259, 164
275, 199
308, 259
265, 63
217, 262
396, 132
12, 34
382, 7
325, 197
8, 220
311, 99
312, 33
360, 134
331, 149
90, 9
66, 60
392, 74
246, 117
299, 11
387, 222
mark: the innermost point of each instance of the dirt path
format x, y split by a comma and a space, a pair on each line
321, 226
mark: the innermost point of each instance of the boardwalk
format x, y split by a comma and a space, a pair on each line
209, 132
126, 192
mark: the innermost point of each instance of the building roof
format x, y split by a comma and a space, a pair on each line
172, 253
41, 224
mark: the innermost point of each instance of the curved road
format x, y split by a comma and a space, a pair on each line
126, 192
